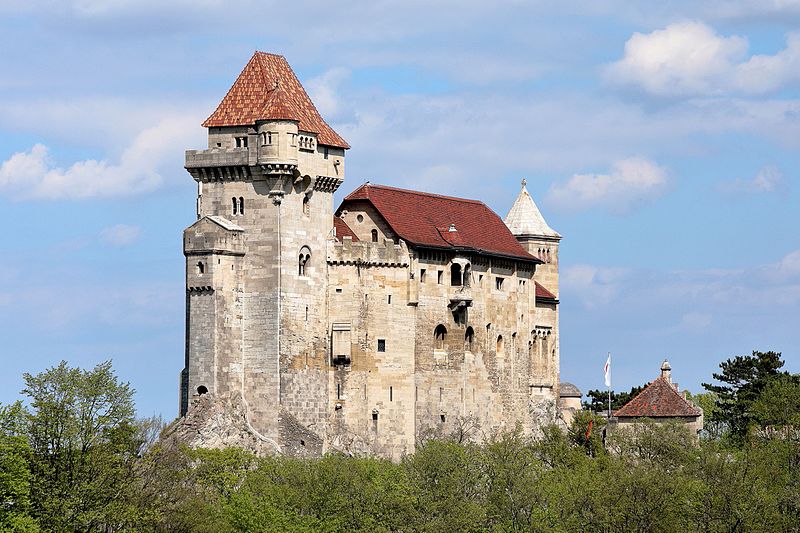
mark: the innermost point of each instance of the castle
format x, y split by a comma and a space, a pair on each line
363, 329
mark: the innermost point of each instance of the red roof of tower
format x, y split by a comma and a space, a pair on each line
425, 219
658, 399
267, 89
342, 229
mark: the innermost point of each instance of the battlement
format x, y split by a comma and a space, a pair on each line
385, 253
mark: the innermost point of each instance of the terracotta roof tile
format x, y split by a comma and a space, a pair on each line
542, 293
267, 88
425, 219
342, 229
658, 399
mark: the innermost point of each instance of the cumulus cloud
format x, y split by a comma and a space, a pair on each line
32, 174
690, 58
120, 235
630, 183
769, 179
323, 91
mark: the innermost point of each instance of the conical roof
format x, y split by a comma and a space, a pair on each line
524, 218
267, 89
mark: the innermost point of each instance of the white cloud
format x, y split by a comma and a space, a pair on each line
32, 175
690, 58
120, 235
630, 183
323, 91
769, 179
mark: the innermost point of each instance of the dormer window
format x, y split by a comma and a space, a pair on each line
241, 142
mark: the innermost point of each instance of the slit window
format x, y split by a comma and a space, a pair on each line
235, 206
439, 277
422, 275
374, 235
241, 205
306, 206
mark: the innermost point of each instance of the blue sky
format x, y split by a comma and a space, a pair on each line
661, 141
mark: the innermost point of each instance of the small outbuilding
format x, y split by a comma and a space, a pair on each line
661, 401
569, 401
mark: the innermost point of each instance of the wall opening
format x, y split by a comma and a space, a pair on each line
374, 235
439, 335
234, 206
467, 275
202, 389
302, 261
381, 345
455, 275
422, 275
241, 205
500, 345
201, 268
469, 338
306, 206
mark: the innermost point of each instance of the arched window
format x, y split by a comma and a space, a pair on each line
305, 255
469, 337
374, 235
306, 206
440, 334
467, 275
499, 347
235, 205
201, 268
455, 275
241, 205
202, 389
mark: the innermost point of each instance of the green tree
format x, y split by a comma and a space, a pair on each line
15, 474
713, 428
83, 441
598, 399
743, 379
778, 405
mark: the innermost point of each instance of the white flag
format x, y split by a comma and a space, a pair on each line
607, 370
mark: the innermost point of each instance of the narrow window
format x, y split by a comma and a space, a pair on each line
201, 268
391, 394
467, 275
390, 299
441, 393
422, 275
498, 283
374, 235
306, 207
469, 337
439, 335
500, 345
303, 261
381, 345
241, 205
338, 391
439, 277
235, 205
325, 152
306, 313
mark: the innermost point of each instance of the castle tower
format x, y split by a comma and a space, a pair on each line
540, 240
256, 269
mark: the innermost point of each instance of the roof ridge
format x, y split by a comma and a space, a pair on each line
423, 193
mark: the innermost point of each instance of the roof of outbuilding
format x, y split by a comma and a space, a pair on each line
267, 89
343, 230
425, 219
659, 399
568, 390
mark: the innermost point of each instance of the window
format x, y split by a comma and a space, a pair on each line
360, 218
467, 275
381, 345
241, 205
235, 206
498, 283
202, 389
422, 275
374, 235
391, 394
241, 142
306, 207
266, 138
440, 334
500, 345
469, 337
325, 152
305, 255
439, 277
201, 268
389, 299
455, 275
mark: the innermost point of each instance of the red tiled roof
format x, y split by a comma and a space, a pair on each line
268, 89
424, 219
342, 229
658, 399
541, 292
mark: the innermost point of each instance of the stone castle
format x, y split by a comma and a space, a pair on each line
363, 329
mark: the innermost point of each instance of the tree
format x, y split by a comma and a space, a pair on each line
744, 378
778, 405
599, 399
15, 474
83, 442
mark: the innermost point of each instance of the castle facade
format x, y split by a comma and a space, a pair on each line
397, 315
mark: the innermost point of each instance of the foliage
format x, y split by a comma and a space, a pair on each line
713, 428
744, 378
598, 399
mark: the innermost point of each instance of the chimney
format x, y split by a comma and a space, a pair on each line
666, 371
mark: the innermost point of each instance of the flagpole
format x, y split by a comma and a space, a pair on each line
609, 388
